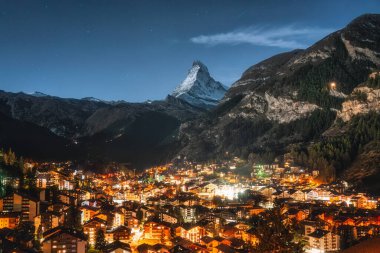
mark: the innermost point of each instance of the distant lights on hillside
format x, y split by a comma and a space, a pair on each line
332, 86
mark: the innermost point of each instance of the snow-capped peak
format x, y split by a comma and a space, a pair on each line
199, 88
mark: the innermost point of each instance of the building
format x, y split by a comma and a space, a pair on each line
193, 233
117, 247
9, 220
121, 233
88, 212
46, 221
61, 240
168, 218
188, 214
323, 240
16, 202
156, 231
91, 227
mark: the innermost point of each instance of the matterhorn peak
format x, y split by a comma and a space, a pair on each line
200, 65
199, 88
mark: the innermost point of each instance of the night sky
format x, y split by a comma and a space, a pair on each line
139, 50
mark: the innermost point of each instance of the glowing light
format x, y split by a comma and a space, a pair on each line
137, 233
332, 85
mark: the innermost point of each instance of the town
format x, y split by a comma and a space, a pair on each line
227, 206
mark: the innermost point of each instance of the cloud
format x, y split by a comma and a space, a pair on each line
283, 37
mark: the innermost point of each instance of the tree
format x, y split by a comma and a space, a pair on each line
9, 157
217, 200
100, 240
139, 215
274, 236
73, 217
23, 230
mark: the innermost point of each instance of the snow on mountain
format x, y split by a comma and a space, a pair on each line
38, 94
199, 88
93, 99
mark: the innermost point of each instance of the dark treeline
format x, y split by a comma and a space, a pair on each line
332, 155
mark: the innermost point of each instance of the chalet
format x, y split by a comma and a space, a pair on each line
88, 212
17, 202
156, 248
60, 239
9, 219
249, 236
46, 221
222, 248
92, 226
117, 247
191, 232
323, 240
121, 233
156, 231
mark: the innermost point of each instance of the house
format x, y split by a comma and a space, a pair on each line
156, 231
16, 202
191, 232
132, 222
207, 190
156, 248
297, 195
267, 191
9, 220
117, 247
249, 236
296, 214
165, 217
188, 214
212, 243
323, 240
65, 184
256, 210
120, 233
91, 227
60, 239
46, 221
42, 179
68, 199
184, 245
118, 219
222, 248
88, 212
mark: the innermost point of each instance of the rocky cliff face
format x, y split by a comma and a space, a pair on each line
361, 101
278, 109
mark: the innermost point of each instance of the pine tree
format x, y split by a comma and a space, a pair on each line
100, 240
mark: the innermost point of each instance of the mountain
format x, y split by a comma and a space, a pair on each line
318, 105
89, 129
288, 99
199, 88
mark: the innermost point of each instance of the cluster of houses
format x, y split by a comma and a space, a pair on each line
199, 208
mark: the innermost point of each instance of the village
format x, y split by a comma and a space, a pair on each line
183, 207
